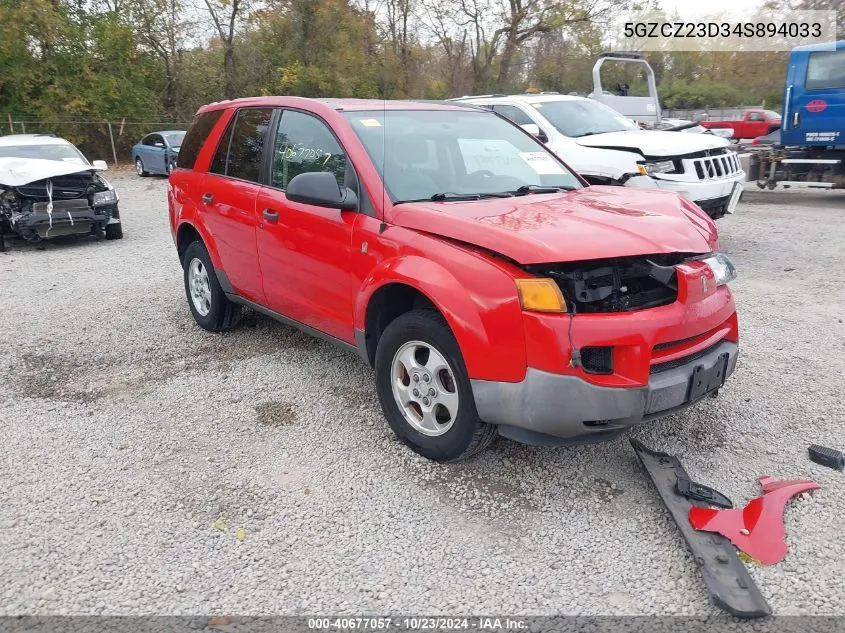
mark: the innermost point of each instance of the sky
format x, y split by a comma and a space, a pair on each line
691, 9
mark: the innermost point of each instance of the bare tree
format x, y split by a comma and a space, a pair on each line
226, 16
162, 28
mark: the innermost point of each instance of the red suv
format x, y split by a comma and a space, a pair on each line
492, 289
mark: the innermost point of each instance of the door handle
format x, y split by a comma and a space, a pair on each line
795, 119
271, 216
207, 198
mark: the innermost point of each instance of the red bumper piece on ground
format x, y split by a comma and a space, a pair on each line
758, 528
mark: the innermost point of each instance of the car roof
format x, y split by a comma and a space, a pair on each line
335, 104
32, 139
524, 98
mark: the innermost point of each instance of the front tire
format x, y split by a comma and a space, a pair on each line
424, 390
114, 231
139, 168
208, 303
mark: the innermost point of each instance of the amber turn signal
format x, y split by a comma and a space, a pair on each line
540, 295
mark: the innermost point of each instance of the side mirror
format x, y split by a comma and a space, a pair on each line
320, 188
534, 130
100, 165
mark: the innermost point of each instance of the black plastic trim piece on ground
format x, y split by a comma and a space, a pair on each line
825, 456
728, 581
700, 492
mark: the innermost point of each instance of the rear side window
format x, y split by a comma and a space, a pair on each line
218, 163
826, 70
195, 138
247, 145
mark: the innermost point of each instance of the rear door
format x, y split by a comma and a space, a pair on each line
817, 108
228, 197
304, 250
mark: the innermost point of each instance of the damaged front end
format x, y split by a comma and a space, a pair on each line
620, 284
70, 204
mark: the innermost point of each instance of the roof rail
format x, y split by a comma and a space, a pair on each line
624, 54
498, 94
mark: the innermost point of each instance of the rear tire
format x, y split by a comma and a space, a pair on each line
139, 168
448, 430
208, 303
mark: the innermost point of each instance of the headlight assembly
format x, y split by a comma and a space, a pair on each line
102, 198
722, 267
657, 167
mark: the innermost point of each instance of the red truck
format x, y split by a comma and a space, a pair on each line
754, 122
491, 288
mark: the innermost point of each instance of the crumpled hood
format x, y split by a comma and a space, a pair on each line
654, 143
16, 172
591, 223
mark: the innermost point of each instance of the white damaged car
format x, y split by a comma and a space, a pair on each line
607, 148
49, 189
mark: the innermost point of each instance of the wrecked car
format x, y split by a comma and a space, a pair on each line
49, 189
493, 290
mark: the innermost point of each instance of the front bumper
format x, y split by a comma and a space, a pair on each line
67, 218
699, 191
549, 408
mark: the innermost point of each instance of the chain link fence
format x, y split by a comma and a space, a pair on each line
110, 141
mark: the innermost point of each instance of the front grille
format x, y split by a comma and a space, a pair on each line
672, 364
620, 284
597, 360
64, 188
716, 167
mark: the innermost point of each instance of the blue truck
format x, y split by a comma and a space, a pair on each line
811, 149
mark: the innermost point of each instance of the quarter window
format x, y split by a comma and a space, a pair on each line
195, 138
304, 144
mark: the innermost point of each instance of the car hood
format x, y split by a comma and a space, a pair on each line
653, 143
16, 172
590, 223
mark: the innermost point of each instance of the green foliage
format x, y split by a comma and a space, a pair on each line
63, 61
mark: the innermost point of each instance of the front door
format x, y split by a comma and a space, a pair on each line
818, 99
304, 250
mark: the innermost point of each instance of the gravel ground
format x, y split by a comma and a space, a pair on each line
153, 468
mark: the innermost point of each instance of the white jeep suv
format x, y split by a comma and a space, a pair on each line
605, 147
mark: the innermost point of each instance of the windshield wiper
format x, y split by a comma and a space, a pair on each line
449, 196
526, 189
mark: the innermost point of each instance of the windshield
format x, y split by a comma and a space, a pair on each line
772, 114
582, 117
445, 154
67, 153
175, 139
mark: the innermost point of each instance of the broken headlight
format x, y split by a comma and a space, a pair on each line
722, 267
657, 167
102, 198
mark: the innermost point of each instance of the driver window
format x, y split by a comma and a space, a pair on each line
304, 144
755, 116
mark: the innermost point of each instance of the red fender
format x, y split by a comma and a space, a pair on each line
758, 528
